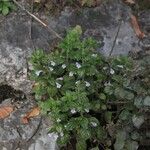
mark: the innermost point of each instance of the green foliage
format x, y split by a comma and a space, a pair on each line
77, 86
6, 6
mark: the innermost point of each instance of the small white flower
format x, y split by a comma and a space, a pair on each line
53, 135
87, 84
70, 74
120, 66
61, 78
65, 126
51, 69
38, 72
77, 82
73, 111
94, 55
63, 66
112, 71
78, 65
61, 134
58, 85
104, 68
58, 120
53, 63
87, 110
94, 124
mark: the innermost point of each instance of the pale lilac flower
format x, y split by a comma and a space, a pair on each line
78, 65
58, 120
94, 55
51, 69
73, 111
77, 82
112, 71
61, 134
53, 63
53, 135
70, 74
63, 66
58, 85
61, 78
120, 66
87, 84
94, 124
38, 72
87, 110
104, 68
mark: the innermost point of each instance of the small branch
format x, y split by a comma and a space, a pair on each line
38, 20
36, 130
114, 43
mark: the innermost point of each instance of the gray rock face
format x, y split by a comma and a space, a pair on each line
109, 24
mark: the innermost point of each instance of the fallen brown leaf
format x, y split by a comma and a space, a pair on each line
33, 113
130, 1
5, 111
136, 27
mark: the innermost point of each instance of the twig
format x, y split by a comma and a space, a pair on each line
115, 39
30, 28
36, 130
38, 20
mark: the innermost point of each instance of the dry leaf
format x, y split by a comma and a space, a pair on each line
33, 113
136, 27
130, 1
5, 111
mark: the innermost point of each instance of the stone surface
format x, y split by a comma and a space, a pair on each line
109, 24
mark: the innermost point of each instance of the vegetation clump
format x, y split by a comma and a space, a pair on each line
6, 6
81, 91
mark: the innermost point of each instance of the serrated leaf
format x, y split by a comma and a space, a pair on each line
120, 140
95, 148
137, 120
132, 145
124, 115
81, 144
108, 116
147, 101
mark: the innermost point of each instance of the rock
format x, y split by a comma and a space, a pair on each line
109, 24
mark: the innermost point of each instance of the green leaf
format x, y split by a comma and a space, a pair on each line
95, 148
108, 116
108, 90
132, 145
138, 102
5, 10
125, 114
137, 120
120, 140
147, 101
135, 135
101, 133
102, 96
81, 144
